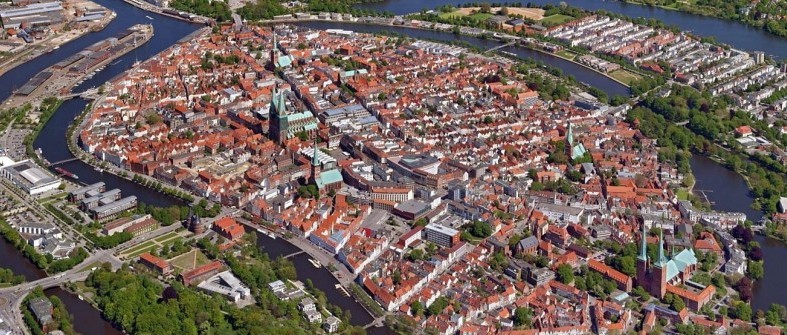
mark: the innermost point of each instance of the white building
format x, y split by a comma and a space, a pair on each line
28, 176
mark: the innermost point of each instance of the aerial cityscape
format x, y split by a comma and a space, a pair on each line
393, 167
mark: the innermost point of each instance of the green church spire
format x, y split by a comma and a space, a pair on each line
643, 249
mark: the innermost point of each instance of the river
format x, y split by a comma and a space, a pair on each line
168, 31
729, 192
734, 33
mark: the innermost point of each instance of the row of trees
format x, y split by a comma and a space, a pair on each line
218, 9
158, 186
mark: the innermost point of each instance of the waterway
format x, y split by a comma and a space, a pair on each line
734, 33
86, 319
321, 278
579, 72
728, 191
168, 30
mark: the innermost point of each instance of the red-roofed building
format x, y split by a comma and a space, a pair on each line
159, 265
624, 282
229, 228
200, 273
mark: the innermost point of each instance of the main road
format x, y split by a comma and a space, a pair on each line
11, 297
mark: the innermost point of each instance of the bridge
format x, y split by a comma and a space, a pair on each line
377, 322
90, 94
63, 161
502, 46
11, 297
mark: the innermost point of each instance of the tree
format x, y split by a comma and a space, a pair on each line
741, 310
565, 274
744, 288
756, 270
486, 7
480, 229
625, 264
417, 309
523, 317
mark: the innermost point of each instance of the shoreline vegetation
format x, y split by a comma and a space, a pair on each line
766, 16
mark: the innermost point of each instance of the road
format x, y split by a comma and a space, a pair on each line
11, 297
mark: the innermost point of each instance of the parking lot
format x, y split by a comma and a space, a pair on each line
13, 143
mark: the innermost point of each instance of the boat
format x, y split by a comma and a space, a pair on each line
80, 297
66, 173
98, 169
315, 262
149, 17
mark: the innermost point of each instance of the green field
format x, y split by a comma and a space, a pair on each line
556, 19
165, 237
566, 54
625, 76
138, 247
449, 15
457, 13
682, 194
189, 260
480, 16
142, 251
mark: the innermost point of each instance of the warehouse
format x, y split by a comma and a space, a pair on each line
38, 14
30, 177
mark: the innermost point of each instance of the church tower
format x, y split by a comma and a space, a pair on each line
274, 55
642, 262
277, 120
315, 168
658, 278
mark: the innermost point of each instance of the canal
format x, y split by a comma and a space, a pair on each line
168, 31
728, 191
734, 33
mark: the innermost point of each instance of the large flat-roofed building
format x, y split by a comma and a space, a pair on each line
441, 235
99, 199
37, 14
86, 191
30, 177
111, 209
411, 209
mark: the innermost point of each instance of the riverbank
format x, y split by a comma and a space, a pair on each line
58, 79
687, 7
52, 43
193, 18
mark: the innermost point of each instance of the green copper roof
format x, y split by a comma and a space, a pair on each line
643, 249
661, 260
328, 177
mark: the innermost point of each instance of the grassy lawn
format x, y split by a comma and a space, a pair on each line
142, 251
449, 15
682, 194
481, 16
189, 260
165, 237
171, 241
459, 13
138, 247
51, 198
556, 19
566, 54
625, 76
